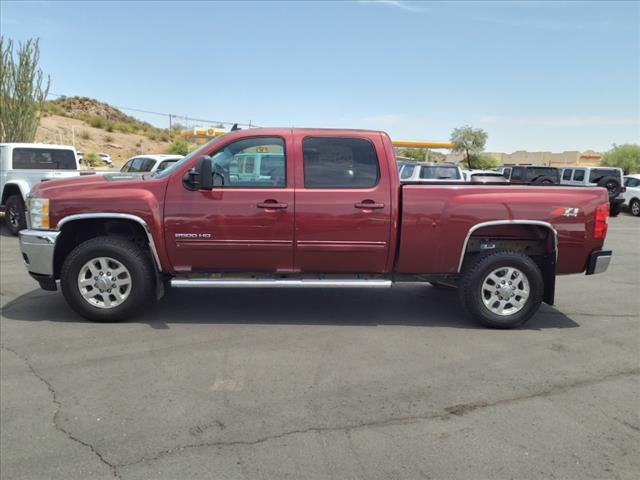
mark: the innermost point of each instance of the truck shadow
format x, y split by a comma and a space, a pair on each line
417, 306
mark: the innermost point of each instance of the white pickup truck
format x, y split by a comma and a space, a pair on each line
23, 165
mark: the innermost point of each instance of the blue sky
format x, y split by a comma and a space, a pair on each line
534, 75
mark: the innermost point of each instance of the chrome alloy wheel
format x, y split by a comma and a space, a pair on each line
104, 282
635, 208
505, 291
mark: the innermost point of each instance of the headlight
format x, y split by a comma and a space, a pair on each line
39, 213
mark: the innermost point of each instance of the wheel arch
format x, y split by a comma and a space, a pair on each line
524, 231
14, 187
77, 228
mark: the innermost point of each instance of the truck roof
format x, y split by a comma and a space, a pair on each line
39, 145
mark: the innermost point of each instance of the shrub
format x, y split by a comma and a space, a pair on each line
97, 122
626, 157
109, 126
108, 138
85, 135
179, 147
92, 159
484, 162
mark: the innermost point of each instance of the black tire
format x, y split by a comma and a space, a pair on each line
473, 278
615, 209
15, 215
634, 207
612, 184
542, 180
135, 259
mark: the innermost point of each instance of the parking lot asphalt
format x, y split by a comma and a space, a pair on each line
349, 384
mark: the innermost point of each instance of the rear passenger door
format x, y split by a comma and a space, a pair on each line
343, 203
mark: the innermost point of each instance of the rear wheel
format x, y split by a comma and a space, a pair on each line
612, 184
14, 215
615, 209
502, 290
107, 279
635, 207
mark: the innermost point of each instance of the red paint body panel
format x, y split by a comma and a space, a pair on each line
436, 220
421, 229
331, 234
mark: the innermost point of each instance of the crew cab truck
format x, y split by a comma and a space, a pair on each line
328, 212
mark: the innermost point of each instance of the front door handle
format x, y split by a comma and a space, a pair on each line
272, 205
369, 205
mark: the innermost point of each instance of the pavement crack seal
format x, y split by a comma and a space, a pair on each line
54, 420
455, 410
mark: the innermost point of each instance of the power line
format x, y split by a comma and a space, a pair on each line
170, 115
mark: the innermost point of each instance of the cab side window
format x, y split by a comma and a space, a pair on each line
517, 173
258, 162
566, 174
337, 162
578, 175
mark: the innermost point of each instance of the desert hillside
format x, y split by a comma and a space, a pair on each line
98, 127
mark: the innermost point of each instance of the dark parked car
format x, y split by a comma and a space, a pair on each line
535, 175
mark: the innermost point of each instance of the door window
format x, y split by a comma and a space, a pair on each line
251, 163
566, 174
339, 163
578, 175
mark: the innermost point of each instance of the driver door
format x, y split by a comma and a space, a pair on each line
244, 225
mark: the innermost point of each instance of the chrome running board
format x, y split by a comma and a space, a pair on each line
278, 283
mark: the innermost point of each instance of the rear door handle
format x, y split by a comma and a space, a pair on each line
272, 205
369, 205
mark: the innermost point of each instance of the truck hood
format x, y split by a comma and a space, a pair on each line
54, 187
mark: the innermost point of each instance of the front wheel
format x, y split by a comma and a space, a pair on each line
635, 207
502, 290
107, 279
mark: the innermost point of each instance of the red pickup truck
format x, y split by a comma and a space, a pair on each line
307, 208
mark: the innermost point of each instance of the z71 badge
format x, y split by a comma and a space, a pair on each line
566, 212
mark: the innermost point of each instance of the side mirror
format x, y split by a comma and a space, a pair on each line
200, 177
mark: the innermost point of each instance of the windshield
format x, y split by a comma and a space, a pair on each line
195, 154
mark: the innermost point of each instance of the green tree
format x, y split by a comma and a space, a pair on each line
23, 90
626, 157
470, 141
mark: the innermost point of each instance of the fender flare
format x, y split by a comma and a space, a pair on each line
118, 216
22, 185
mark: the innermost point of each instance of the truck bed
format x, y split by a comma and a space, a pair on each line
437, 220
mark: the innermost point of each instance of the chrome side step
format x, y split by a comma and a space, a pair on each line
278, 283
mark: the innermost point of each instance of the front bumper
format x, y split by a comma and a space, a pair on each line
38, 248
599, 261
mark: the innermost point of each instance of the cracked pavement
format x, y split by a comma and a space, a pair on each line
323, 384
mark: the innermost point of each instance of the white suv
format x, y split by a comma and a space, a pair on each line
22, 165
606, 177
632, 194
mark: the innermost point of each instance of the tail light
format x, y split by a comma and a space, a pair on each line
602, 221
